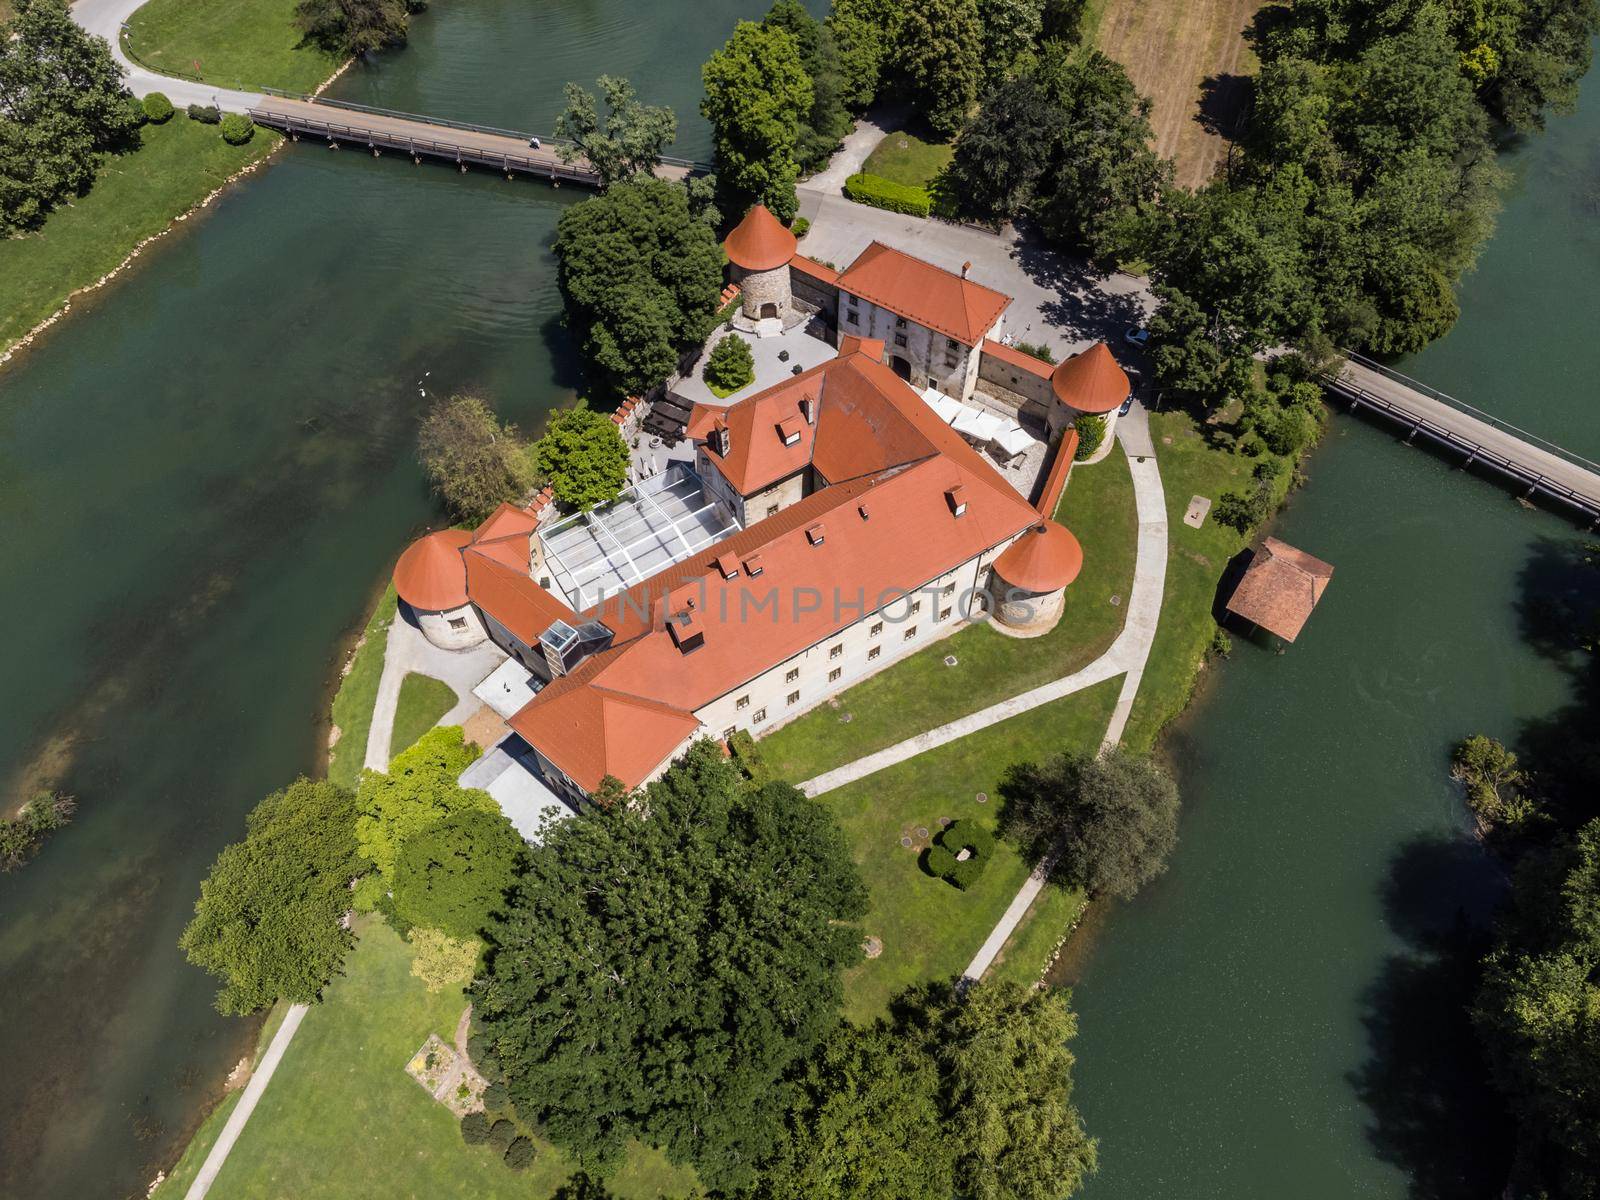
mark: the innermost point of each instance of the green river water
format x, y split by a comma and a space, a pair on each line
207, 470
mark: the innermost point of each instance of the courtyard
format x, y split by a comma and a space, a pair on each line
776, 358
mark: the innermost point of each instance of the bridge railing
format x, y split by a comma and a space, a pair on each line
1433, 393
465, 126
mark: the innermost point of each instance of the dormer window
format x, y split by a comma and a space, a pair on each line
721, 440
814, 534
789, 430
729, 566
687, 632
753, 565
956, 497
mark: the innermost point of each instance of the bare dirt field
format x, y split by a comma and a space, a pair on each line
1190, 58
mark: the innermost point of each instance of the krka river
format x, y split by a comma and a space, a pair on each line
205, 472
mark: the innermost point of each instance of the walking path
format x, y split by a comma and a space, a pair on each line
858, 144
247, 1104
1126, 657
105, 18
407, 651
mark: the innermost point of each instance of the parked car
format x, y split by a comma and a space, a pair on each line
1126, 405
1136, 337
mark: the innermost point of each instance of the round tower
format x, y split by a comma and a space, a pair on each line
431, 579
1091, 382
760, 249
1029, 580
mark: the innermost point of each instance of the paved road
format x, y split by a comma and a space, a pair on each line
406, 651
105, 19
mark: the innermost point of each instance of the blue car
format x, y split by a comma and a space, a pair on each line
1138, 338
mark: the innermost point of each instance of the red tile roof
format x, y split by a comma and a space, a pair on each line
1060, 471
510, 596
919, 291
1013, 357
1045, 558
1280, 588
757, 455
430, 575
811, 267
759, 242
1091, 382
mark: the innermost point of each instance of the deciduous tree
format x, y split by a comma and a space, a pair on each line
757, 92
474, 463
419, 789
353, 27
268, 921
1010, 29
1114, 818
939, 59
583, 457
642, 277
826, 121
628, 141
865, 32
442, 961
666, 961
454, 873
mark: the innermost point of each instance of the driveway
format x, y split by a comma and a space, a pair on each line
105, 18
1059, 301
858, 144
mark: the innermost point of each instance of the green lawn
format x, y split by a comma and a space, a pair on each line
352, 705
1027, 952
423, 700
906, 158
237, 43
342, 1118
921, 692
136, 195
929, 929
1191, 465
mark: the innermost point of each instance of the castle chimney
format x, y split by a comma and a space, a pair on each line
965, 267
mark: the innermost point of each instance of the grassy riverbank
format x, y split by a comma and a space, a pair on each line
247, 44
135, 196
358, 691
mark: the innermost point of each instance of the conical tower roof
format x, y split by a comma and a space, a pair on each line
431, 575
759, 242
1043, 559
1091, 382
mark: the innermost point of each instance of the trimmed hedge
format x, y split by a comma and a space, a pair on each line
237, 129
474, 1129
501, 1134
495, 1096
206, 114
938, 862
519, 1154
1091, 434
801, 227
941, 861
157, 108
885, 193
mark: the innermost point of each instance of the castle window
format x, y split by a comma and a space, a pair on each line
458, 622
836, 651
793, 674
833, 675
877, 628
899, 339
874, 652
944, 614
909, 634
742, 702
761, 715
794, 697
729, 732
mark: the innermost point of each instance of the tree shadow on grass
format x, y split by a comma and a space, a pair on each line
1425, 1083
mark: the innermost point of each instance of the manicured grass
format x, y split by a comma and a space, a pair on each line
134, 196
921, 693
1027, 952
352, 705
237, 43
342, 1118
906, 158
1192, 464
423, 700
929, 929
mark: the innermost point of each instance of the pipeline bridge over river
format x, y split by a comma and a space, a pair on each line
377, 130
1529, 463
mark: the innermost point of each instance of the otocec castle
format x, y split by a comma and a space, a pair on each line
828, 525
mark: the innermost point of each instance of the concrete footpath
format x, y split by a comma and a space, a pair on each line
247, 1103
105, 18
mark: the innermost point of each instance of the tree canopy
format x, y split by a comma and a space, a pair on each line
666, 960
1113, 816
473, 462
826, 121
642, 277
354, 27
62, 109
419, 789
269, 918
865, 32
628, 141
939, 60
583, 457
756, 94
453, 874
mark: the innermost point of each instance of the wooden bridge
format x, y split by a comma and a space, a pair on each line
1529, 462
378, 130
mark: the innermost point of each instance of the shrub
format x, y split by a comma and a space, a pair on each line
967, 835
237, 129
1035, 350
964, 874
519, 1154
495, 1097
748, 756
501, 1134
938, 862
885, 193
442, 961
582, 457
474, 1129
206, 114
157, 109
731, 365
801, 227
1091, 433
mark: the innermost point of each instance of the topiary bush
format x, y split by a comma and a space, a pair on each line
1091, 433
731, 366
237, 129
157, 108
501, 1134
206, 114
886, 194
495, 1096
801, 227
475, 1129
519, 1154
938, 862
958, 836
